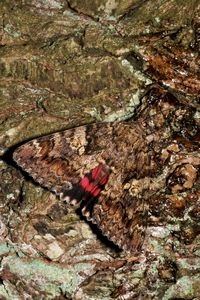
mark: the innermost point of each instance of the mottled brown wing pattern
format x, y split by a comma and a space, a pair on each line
95, 166
77, 164
47, 160
121, 217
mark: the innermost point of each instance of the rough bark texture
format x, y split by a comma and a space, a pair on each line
68, 63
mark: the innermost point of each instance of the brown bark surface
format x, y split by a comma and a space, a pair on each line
68, 63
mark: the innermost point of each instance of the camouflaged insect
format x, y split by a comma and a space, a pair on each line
99, 167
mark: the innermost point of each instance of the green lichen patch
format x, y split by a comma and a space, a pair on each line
50, 278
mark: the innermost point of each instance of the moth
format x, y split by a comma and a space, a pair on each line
95, 168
